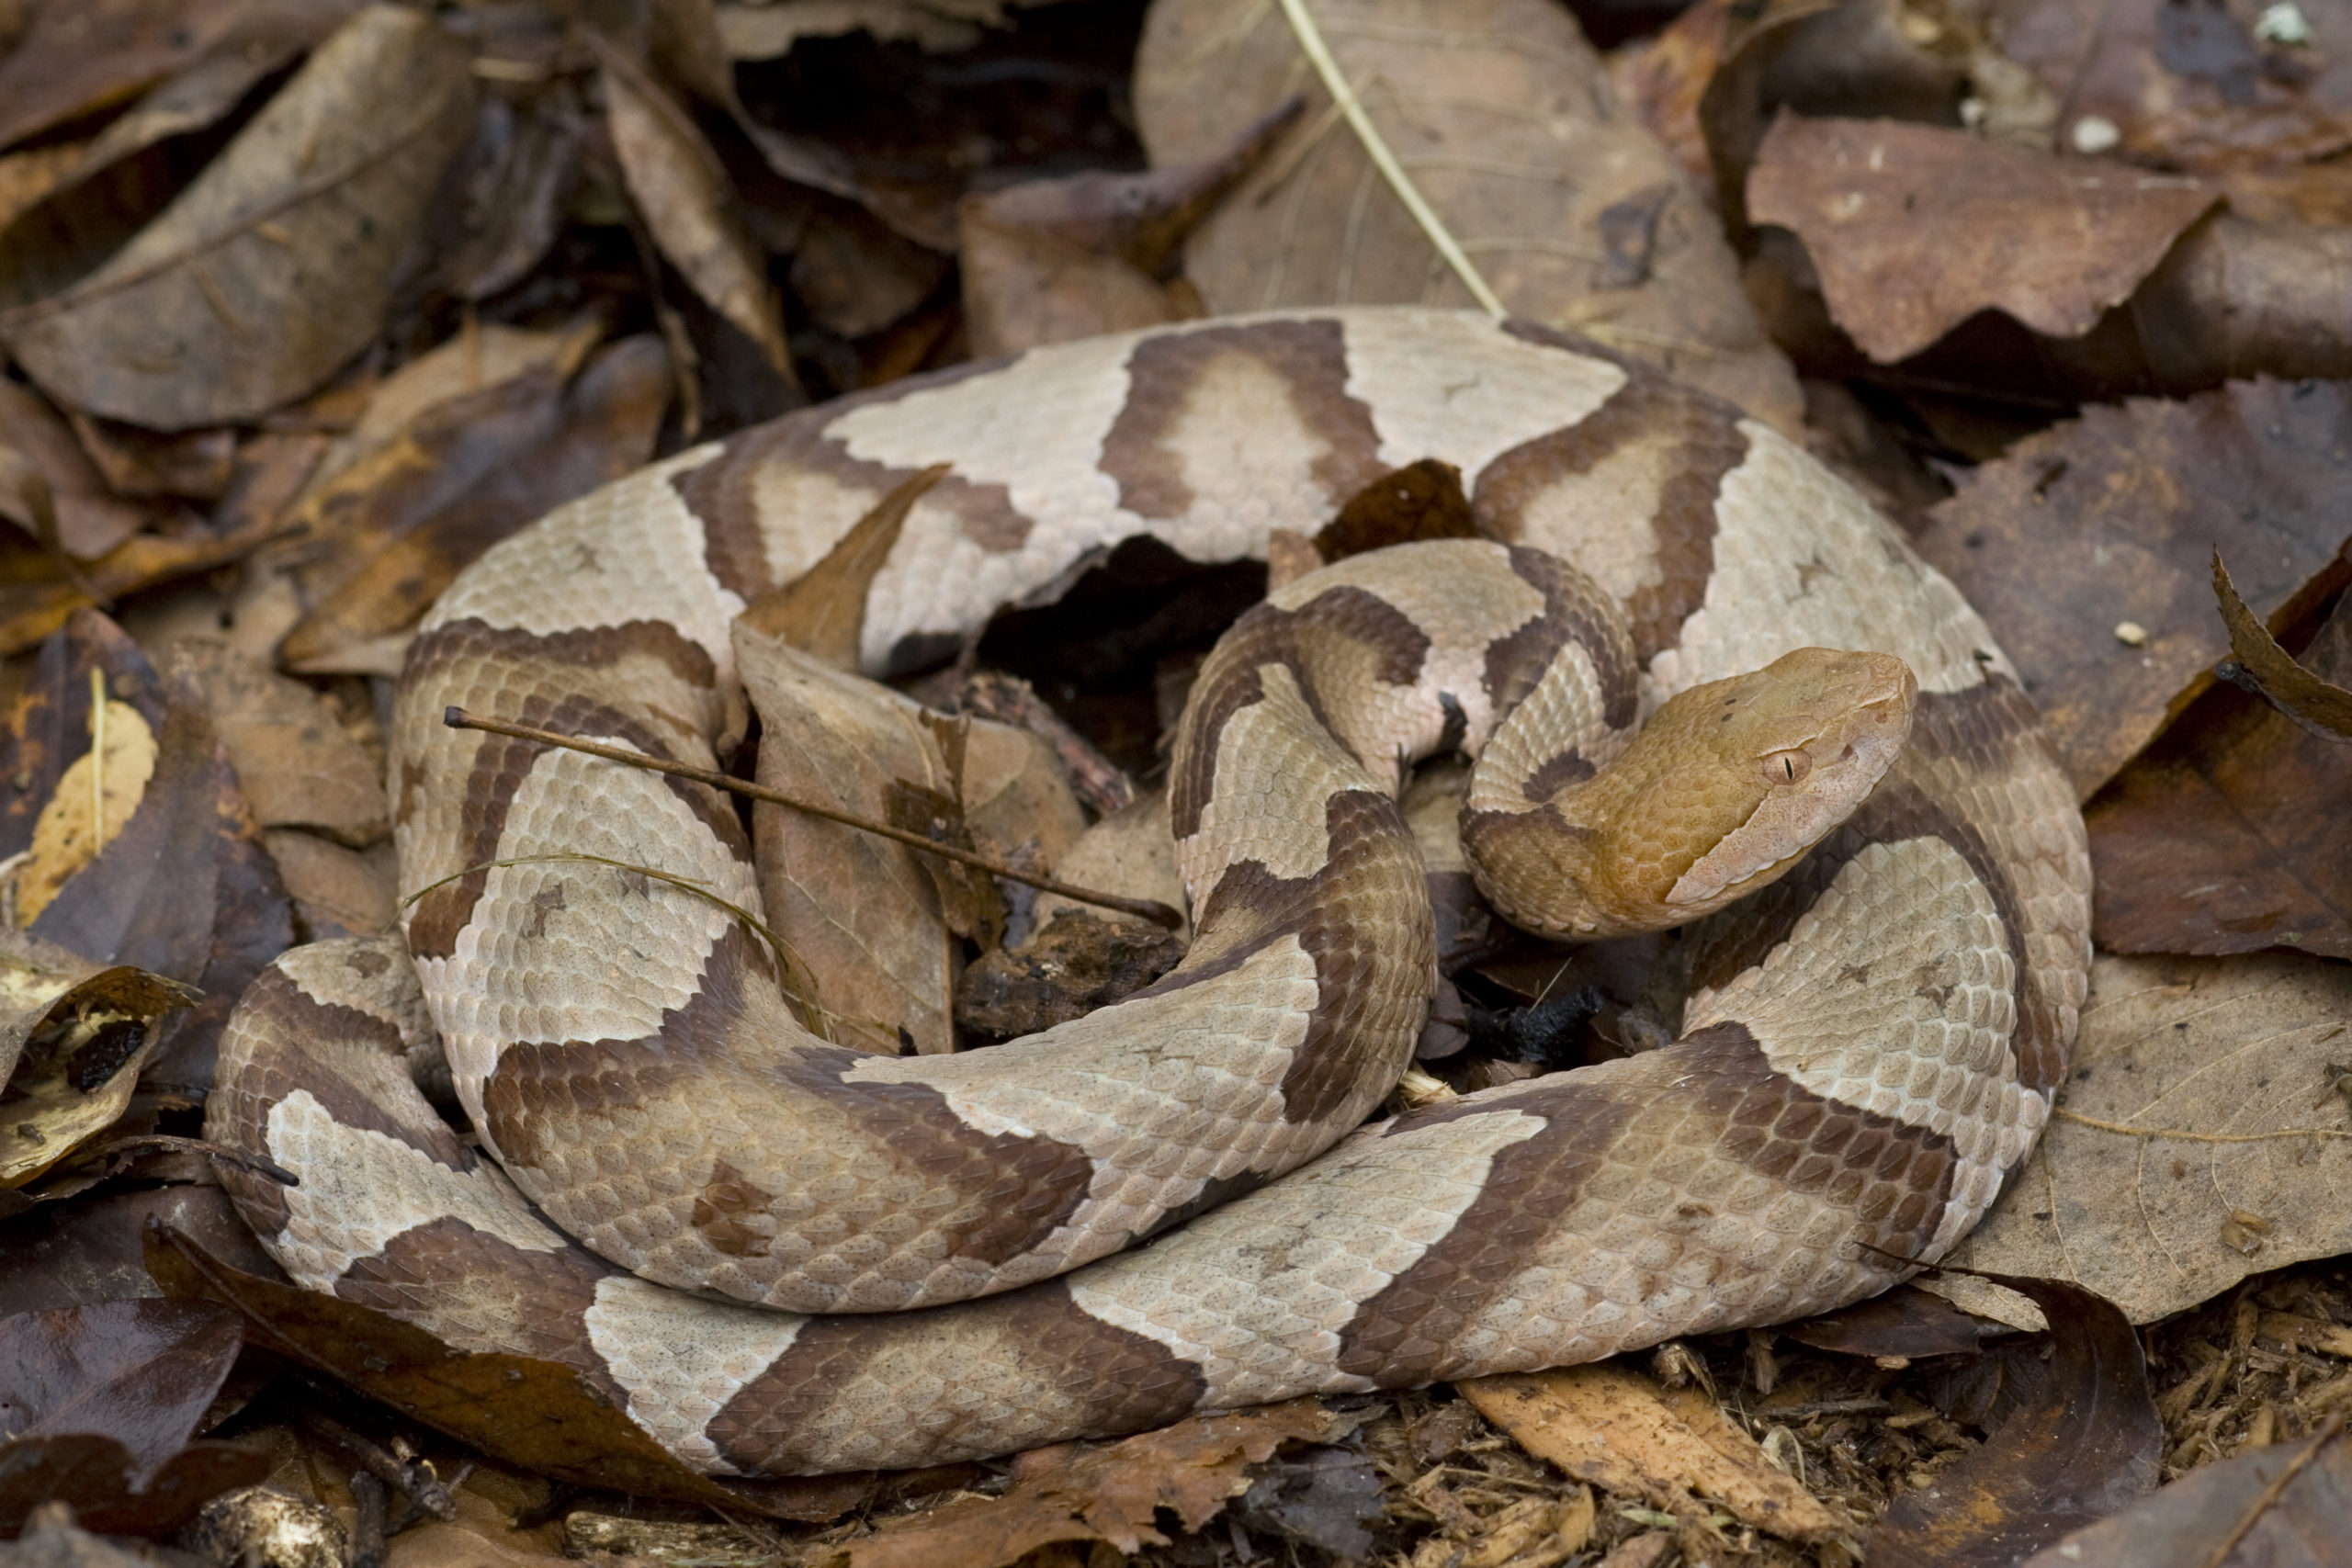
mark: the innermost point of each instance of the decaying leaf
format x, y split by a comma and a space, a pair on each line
2229, 833
2087, 1447
72, 1037
278, 263
2108, 522
1499, 112
1106, 1491
678, 183
1621, 1431
860, 910
2272, 1507
2202, 1137
92, 802
1913, 229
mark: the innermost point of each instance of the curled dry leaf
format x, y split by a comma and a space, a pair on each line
2269, 671
2112, 517
2089, 1445
1106, 1491
1621, 1431
2272, 1507
688, 203
2203, 1090
1913, 229
72, 1037
1498, 111
278, 263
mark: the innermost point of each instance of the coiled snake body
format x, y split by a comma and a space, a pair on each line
1869, 1046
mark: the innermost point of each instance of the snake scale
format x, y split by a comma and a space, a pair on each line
1869, 1043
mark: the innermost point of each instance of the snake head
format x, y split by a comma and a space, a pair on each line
1728, 786
1780, 757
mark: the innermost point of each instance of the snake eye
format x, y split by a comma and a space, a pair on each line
1787, 767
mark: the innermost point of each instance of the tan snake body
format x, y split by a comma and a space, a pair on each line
1869, 1047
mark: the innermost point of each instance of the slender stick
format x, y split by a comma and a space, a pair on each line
1148, 909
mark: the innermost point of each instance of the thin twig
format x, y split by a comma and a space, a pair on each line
1375, 146
1148, 909
2185, 1136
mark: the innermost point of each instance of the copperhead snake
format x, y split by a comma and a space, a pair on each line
1869, 1043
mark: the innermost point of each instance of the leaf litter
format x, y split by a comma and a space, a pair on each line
557, 250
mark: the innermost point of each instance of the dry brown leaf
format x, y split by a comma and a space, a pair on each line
1661, 79
2087, 548
476, 470
1107, 1491
859, 911
2087, 1443
278, 263
2179, 85
1624, 1433
1913, 229
125, 177
81, 58
336, 891
1016, 801
135, 462
2229, 833
2238, 1061
1500, 113
2268, 1507
90, 519
679, 184
296, 761
481, 356
764, 30
1131, 853
1053, 260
